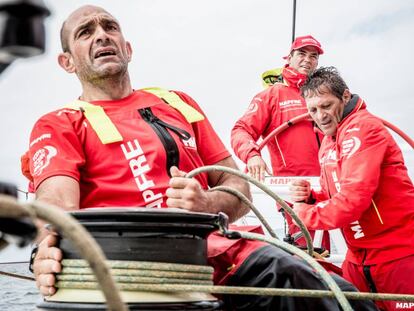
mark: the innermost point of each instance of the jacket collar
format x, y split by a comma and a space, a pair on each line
354, 104
292, 77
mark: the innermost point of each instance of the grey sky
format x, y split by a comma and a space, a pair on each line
215, 51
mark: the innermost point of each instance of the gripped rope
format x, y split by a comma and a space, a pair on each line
265, 189
283, 245
246, 201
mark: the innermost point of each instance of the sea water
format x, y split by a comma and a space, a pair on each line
17, 294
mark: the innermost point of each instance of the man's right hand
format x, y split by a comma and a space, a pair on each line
257, 168
46, 264
300, 190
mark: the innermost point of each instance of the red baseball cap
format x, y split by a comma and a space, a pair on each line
300, 42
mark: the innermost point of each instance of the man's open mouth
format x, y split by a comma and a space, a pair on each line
104, 53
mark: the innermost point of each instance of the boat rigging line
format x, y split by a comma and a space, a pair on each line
306, 116
294, 21
17, 276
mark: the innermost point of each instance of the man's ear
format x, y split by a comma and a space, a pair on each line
65, 61
346, 96
289, 59
129, 50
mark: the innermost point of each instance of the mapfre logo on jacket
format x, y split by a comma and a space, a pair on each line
290, 103
254, 106
350, 146
328, 157
190, 143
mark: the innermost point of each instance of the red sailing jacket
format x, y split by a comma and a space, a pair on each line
366, 190
294, 152
132, 172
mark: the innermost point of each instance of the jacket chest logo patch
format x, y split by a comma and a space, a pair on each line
190, 143
350, 146
253, 106
330, 156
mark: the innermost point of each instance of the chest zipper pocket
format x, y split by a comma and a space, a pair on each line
161, 129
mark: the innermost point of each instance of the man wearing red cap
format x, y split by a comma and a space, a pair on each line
275, 106
294, 152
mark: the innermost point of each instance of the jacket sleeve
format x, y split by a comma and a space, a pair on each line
55, 148
361, 153
252, 124
318, 195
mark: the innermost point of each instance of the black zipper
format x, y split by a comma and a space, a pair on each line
161, 129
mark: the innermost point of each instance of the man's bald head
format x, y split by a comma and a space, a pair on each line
75, 15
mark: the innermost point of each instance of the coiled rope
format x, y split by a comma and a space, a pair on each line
195, 273
128, 273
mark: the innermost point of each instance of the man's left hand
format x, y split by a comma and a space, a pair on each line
186, 193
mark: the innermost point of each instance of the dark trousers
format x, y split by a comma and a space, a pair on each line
271, 267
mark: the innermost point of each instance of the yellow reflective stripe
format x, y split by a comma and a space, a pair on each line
377, 211
98, 119
190, 113
106, 130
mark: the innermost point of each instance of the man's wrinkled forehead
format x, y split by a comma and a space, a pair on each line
87, 15
316, 93
308, 48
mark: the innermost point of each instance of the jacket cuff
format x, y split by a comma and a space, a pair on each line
252, 154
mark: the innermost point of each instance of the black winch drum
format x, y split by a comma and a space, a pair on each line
139, 234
